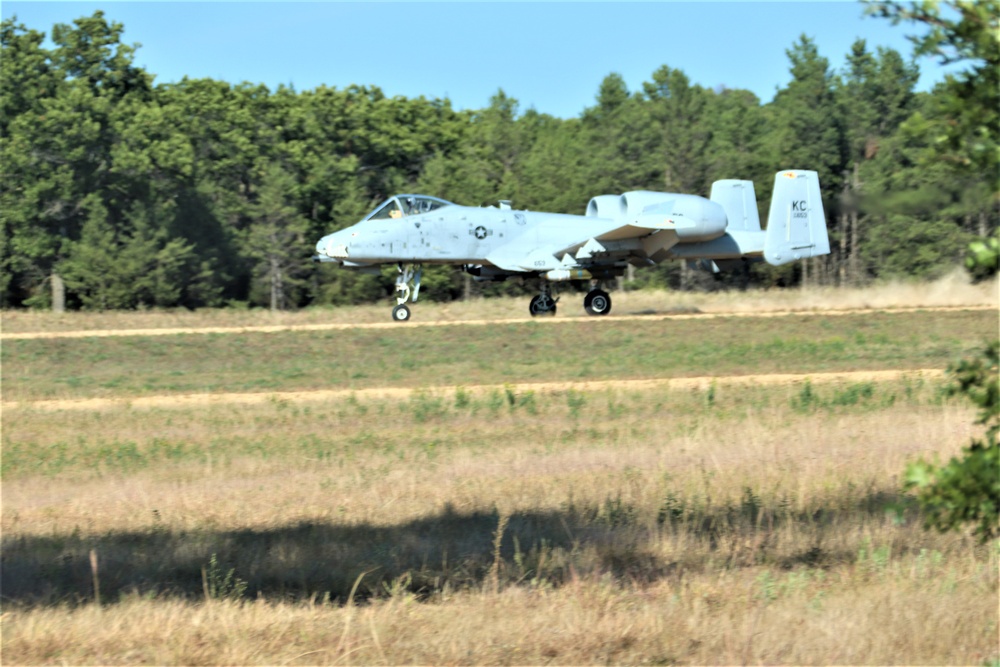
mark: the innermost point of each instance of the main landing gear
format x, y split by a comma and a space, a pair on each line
409, 274
597, 302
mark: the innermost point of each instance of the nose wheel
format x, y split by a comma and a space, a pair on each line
543, 303
409, 274
597, 302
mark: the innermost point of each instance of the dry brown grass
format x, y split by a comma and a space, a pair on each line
717, 619
951, 291
709, 524
700, 526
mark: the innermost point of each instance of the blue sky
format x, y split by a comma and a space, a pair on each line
549, 56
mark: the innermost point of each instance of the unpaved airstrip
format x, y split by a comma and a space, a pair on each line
189, 400
341, 326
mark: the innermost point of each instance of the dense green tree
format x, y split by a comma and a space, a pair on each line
678, 109
108, 268
806, 129
119, 194
736, 147
968, 103
959, 122
58, 151
276, 239
26, 72
622, 141
554, 174
875, 96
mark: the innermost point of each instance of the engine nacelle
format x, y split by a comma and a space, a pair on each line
632, 204
693, 218
604, 206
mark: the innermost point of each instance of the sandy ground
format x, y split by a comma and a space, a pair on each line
953, 291
403, 393
339, 326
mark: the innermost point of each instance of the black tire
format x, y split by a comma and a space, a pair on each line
401, 313
542, 305
597, 302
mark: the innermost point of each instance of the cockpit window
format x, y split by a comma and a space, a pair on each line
404, 205
390, 209
414, 204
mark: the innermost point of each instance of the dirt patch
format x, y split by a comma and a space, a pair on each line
404, 393
339, 326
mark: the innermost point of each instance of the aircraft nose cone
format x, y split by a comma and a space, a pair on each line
333, 245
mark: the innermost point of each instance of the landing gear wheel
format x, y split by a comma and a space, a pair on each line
597, 302
408, 274
401, 313
542, 304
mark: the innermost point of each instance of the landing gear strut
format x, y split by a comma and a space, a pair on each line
597, 302
409, 274
543, 303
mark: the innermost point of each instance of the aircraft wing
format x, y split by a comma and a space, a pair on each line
583, 241
512, 257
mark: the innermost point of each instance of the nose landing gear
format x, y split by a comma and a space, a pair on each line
543, 303
409, 274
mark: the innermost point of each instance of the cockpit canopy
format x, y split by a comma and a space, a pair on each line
399, 206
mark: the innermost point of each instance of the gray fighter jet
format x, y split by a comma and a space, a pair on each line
639, 228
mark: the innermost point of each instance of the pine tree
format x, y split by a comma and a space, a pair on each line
276, 239
807, 131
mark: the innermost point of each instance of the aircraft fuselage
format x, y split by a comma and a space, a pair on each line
451, 235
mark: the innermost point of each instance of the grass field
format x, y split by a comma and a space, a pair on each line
951, 291
452, 355
720, 525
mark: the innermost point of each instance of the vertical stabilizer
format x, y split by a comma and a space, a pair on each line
738, 200
796, 223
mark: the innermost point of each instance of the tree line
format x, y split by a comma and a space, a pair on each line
118, 193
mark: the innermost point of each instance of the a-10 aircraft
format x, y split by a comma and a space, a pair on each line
639, 228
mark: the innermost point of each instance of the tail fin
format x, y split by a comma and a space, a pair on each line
738, 200
796, 223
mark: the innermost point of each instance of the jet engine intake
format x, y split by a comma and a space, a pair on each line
604, 206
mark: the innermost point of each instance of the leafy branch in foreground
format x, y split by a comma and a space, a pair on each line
982, 259
967, 489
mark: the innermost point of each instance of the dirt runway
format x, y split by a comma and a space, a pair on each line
657, 317
404, 393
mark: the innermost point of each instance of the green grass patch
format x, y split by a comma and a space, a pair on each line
503, 353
